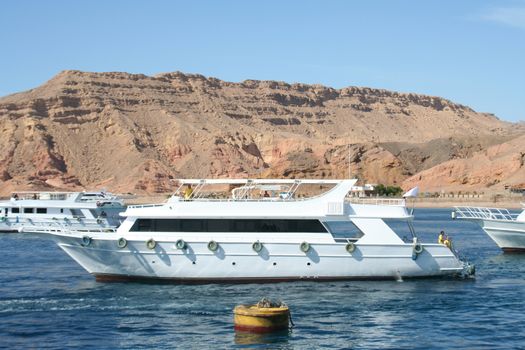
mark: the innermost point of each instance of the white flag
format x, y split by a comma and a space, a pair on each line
412, 192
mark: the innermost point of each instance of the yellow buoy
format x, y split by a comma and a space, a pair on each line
262, 317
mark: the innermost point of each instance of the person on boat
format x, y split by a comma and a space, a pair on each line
188, 192
441, 238
266, 194
15, 195
448, 242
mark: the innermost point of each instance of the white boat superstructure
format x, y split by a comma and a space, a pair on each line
265, 230
75, 210
506, 229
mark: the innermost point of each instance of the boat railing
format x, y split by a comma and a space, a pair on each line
484, 213
377, 201
138, 206
68, 225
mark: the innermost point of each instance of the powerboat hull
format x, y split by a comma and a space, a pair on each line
237, 262
508, 235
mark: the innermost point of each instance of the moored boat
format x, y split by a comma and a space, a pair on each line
267, 230
30, 211
506, 229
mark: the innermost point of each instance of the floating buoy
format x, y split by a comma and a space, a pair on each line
263, 317
180, 244
213, 246
151, 244
257, 246
305, 247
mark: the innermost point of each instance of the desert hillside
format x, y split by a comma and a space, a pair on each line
135, 133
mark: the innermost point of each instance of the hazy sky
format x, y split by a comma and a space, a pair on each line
472, 52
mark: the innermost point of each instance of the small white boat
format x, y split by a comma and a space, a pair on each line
506, 229
74, 210
267, 230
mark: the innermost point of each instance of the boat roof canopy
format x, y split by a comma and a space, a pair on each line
255, 181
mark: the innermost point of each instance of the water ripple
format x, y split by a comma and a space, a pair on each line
48, 302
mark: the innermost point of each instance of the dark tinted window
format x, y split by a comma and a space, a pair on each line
218, 225
344, 229
15, 210
227, 225
41, 210
28, 210
192, 225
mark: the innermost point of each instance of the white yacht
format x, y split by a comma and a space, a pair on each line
506, 229
264, 230
74, 210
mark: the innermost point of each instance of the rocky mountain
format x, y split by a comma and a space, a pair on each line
135, 133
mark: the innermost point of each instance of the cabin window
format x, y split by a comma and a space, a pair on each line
227, 225
28, 210
41, 210
61, 211
143, 225
15, 210
218, 225
77, 213
401, 228
344, 230
192, 225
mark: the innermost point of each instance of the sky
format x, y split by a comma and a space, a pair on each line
471, 52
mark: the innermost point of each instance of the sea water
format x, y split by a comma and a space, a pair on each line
47, 301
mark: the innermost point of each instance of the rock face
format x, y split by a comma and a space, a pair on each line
135, 133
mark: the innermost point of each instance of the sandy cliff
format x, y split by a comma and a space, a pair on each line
135, 133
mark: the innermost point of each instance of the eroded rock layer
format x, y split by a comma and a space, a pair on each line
135, 133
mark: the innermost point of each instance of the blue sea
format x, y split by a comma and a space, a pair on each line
47, 301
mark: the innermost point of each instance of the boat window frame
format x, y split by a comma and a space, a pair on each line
348, 237
232, 225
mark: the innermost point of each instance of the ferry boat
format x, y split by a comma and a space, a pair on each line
264, 230
74, 210
506, 229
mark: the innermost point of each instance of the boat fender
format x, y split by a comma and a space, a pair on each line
257, 246
151, 244
180, 244
213, 246
86, 240
350, 247
418, 248
122, 243
305, 247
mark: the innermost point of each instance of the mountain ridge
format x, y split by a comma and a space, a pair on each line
135, 133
